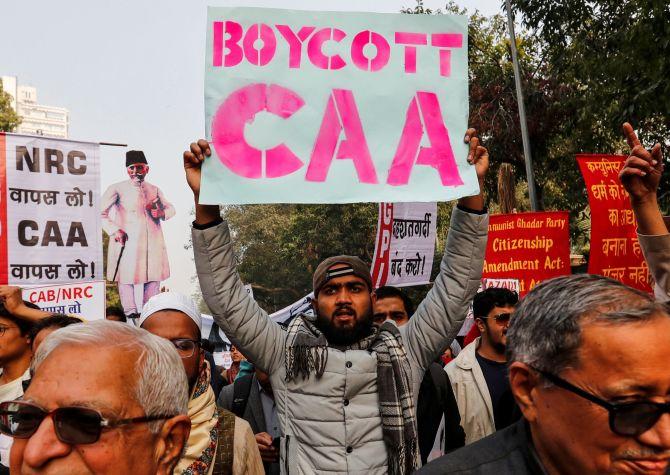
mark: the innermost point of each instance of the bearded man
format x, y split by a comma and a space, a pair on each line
345, 389
132, 212
219, 442
478, 374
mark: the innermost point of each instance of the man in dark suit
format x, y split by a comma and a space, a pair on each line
251, 398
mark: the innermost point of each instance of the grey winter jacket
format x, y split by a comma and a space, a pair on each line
332, 425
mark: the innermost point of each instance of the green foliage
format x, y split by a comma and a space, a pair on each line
419, 9
9, 119
613, 61
278, 246
494, 113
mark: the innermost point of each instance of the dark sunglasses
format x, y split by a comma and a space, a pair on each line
628, 419
501, 318
73, 425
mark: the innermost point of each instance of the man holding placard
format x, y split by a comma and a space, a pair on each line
339, 107
345, 390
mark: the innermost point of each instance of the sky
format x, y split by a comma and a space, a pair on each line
131, 72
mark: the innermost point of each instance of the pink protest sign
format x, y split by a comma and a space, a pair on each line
328, 107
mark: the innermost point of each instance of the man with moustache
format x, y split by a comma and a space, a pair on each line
588, 367
219, 442
105, 399
478, 374
132, 213
345, 389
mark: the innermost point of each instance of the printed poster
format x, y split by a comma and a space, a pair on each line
405, 244
530, 247
50, 229
86, 300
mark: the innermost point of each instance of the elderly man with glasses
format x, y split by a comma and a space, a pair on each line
220, 443
588, 366
106, 399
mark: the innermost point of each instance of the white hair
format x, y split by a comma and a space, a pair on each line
161, 388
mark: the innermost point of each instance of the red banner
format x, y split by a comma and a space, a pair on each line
531, 247
380, 263
615, 251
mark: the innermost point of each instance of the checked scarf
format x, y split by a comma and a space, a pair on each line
307, 352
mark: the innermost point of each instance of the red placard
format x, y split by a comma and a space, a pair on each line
531, 247
615, 250
380, 262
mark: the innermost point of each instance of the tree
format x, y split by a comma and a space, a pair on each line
494, 113
613, 60
9, 119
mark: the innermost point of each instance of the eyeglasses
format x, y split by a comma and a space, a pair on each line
138, 168
73, 425
185, 347
628, 419
501, 318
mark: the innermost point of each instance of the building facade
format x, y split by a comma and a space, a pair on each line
36, 119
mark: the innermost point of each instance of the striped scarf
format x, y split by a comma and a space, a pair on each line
307, 352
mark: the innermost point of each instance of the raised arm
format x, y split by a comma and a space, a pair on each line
640, 176
239, 316
440, 316
11, 297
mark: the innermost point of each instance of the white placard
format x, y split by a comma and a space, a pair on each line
51, 229
85, 300
405, 244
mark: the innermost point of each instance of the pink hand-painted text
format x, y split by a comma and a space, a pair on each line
340, 136
231, 45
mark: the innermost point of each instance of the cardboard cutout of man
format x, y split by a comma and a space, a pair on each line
132, 212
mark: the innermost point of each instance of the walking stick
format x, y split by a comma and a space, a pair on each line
116, 271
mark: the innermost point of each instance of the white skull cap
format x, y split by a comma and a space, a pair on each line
172, 301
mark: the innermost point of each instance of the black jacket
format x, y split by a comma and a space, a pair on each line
253, 409
506, 452
436, 398
215, 378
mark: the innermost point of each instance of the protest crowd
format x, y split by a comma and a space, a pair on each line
569, 376
370, 383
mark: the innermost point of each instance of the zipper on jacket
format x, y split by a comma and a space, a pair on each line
286, 453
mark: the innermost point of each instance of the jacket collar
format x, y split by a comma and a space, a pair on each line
467, 358
526, 442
